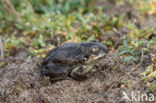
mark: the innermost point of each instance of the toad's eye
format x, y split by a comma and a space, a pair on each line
95, 50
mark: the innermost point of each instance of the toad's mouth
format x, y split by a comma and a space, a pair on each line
94, 59
99, 56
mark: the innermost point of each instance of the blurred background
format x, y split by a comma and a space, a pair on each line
39, 25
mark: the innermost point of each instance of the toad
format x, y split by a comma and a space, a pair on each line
73, 60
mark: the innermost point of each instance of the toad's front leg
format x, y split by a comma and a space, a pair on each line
81, 72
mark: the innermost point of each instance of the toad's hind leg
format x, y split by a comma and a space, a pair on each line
55, 72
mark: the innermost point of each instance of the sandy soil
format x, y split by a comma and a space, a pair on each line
21, 81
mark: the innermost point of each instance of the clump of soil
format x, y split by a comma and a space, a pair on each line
22, 82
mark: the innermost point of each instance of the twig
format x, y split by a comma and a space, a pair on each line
29, 4
9, 8
1, 49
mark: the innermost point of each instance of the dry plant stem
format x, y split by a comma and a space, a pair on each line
1, 49
137, 66
9, 8
28, 3
134, 68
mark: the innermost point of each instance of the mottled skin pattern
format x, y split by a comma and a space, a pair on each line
74, 60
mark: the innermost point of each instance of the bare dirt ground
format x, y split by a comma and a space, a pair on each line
21, 81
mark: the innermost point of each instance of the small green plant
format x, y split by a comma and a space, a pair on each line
12, 43
149, 73
38, 43
135, 40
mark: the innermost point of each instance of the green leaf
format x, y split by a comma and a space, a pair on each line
125, 44
129, 59
123, 52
